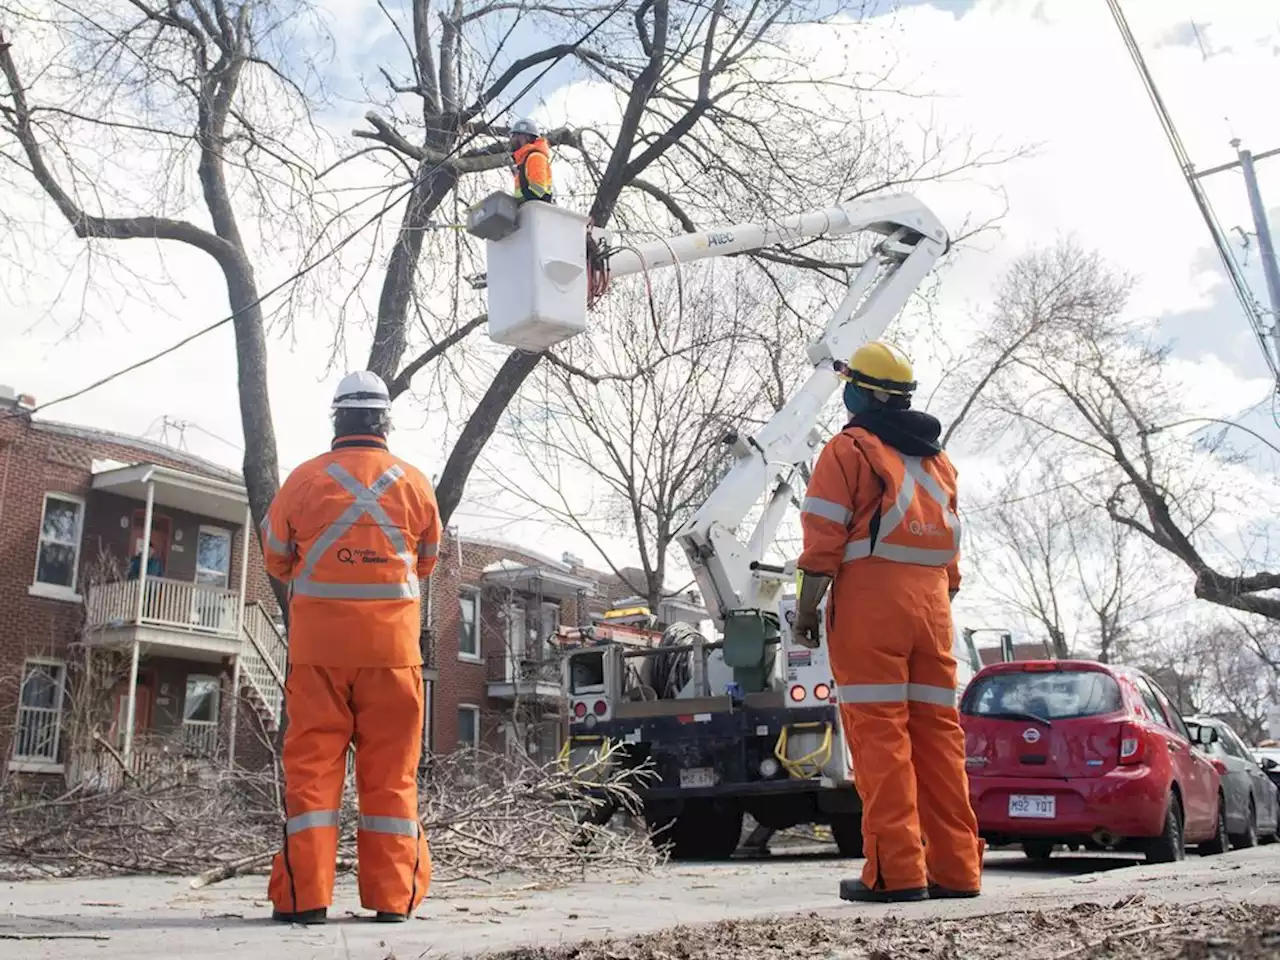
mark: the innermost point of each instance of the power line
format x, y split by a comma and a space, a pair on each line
302, 272
1235, 274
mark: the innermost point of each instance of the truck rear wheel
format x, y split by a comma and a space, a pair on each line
846, 830
704, 830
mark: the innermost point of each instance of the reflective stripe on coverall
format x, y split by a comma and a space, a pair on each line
884, 525
532, 176
353, 532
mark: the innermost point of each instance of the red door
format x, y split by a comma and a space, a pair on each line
144, 701
161, 534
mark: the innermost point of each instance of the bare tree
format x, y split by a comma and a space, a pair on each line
647, 431
1100, 395
192, 88
1024, 557
705, 96
719, 111
1213, 668
1045, 295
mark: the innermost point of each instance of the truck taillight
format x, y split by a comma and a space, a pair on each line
822, 692
601, 708
797, 693
1132, 743
580, 709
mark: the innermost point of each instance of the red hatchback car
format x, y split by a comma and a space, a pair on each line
1089, 755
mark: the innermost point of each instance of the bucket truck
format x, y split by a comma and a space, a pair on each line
747, 723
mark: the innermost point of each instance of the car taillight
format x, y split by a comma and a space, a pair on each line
797, 693
822, 692
1132, 743
601, 708
579, 709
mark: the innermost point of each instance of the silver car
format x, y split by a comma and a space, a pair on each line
1253, 804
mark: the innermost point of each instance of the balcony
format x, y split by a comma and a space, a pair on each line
509, 677
175, 617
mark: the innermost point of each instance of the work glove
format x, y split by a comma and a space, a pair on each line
811, 588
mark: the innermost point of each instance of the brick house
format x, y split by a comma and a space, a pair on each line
496, 679
175, 636
179, 653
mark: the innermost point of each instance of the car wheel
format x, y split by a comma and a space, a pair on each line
1250, 836
1168, 847
1219, 842
1038, 849
846, 830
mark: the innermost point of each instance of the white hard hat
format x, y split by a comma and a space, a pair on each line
362, 390
525, 126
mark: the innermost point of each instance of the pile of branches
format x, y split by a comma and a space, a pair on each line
484, 815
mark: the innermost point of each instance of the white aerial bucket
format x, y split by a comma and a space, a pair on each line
537, 278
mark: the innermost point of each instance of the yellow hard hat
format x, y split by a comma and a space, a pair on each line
880, 366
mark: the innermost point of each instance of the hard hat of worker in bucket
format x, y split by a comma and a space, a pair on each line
362, 390
523, 131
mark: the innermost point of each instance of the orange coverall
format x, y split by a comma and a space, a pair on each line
353, 532
884, 526
532, 176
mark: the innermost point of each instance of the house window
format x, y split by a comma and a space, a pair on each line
213, 557
58, 556
39, 711
468, 727
201, 703
200, 714
469, 625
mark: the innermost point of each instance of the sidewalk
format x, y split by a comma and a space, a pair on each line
153, 917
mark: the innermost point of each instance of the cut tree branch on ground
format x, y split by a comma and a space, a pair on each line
484, 816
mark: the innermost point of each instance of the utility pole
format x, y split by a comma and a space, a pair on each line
1266, 248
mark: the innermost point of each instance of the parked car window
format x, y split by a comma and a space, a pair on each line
1175, 718
1152, 704
1052, 695
1231, 743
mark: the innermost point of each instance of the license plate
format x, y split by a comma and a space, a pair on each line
697, 777
1033, 807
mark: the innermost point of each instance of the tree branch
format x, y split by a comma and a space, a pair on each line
84, 224
403, 379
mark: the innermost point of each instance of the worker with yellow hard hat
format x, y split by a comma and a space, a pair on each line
881, 531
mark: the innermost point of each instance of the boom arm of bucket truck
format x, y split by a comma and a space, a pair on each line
728, 570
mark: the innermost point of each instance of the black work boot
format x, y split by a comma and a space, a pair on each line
385, 916
858, 892
937, 892
305, 917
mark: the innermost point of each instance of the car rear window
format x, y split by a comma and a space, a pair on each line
1050, 695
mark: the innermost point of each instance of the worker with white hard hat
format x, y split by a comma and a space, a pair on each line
531, 155
353, 532
881, 530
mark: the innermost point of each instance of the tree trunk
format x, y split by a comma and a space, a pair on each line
391, 336
261, 464
480, 426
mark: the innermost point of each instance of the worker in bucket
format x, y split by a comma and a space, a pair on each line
353, 532
881, 531
531, 155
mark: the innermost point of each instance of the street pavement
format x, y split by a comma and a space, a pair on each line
151, 917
